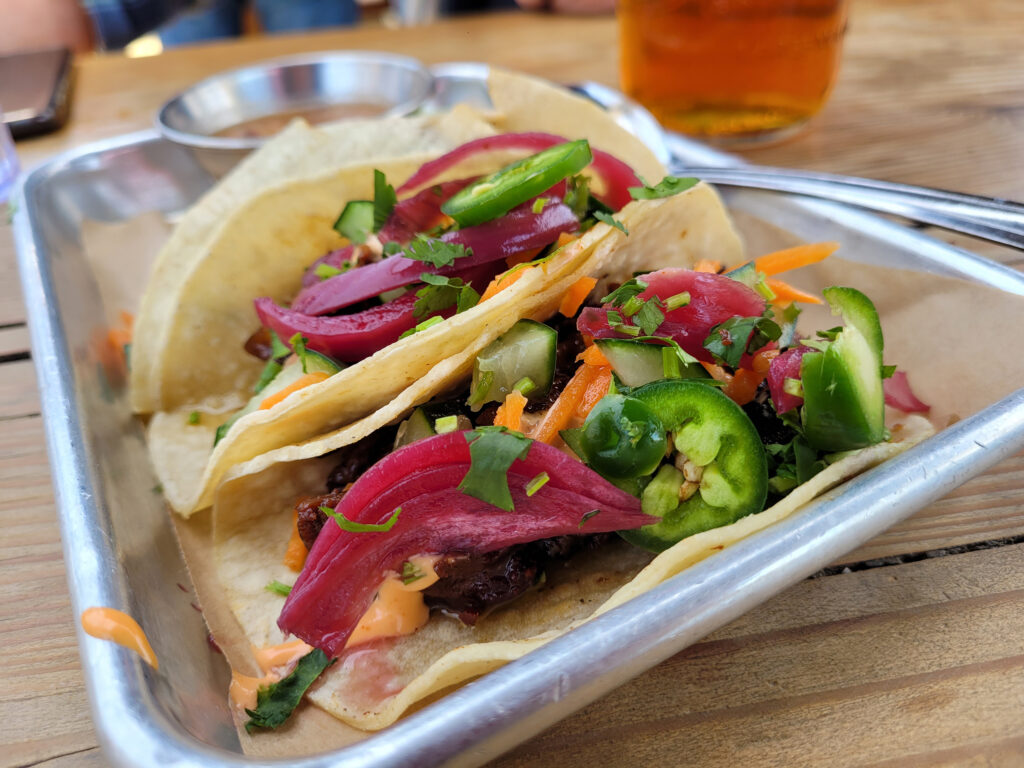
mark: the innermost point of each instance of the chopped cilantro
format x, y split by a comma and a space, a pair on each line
157, 489
538, 204
670, 365
446, 424
831, 334
277, 588
390, 248
352, 527
677, 300
194, 418
587, 516
492, 452
384, 200
537, 483
577, 194
888, 371
275, 703
650, 316
428, 323
325, 270
479, 396
670, 185
617, 324
439, 293
411, 573
525, 385
437, 253
611, 221
728, 341
270, 370
625, 292
126, 350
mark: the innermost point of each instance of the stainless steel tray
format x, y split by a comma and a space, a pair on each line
121, 551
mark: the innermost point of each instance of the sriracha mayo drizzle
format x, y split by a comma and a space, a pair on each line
118, 627
275, 661
398, 609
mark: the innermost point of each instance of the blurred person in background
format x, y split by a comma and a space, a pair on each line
82, 25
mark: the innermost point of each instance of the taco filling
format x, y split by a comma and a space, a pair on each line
679, 402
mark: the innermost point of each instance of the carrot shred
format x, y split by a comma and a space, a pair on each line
295, 555
717, 372
559, 414
707, 265
575, 296
593, 355
521, 258
597, 389
564, 238
503, 281
791, 258
510, 413
742, 388
763, 360
786, 294
303, 381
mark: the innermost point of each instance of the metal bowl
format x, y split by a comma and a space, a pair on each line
321, 86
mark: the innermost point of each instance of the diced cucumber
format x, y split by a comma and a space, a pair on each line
526, 351
356, 221
315, 362
637, 363
416, 427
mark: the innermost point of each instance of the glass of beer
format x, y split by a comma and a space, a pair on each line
732, 71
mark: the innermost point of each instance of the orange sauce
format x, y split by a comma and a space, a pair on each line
118, 627
274, 661
398, 609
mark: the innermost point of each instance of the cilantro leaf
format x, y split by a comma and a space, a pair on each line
650, 315
577, 194
587, 516
628, 290
278, 352
353, 527
888, 371
384, 200
410, 572
610, 220
275, 703
439, 293
325, 270
277, 588
194, 417
670, 185
435, 252
491, 455
729, 340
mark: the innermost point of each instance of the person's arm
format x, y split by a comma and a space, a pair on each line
34, 24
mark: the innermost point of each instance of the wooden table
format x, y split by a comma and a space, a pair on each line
909, 664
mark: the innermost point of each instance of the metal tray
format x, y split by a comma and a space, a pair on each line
120, 548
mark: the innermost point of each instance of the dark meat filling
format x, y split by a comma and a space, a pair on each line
472, 584
762, 413
311, 520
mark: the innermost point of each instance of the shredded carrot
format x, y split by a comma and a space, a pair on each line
791, 258
573, 297
707, 265
786, 294
742, 388
564, 238
510, 413
763, 360
503, 281
295, 554
558, 416
593, 355
119, 337
597, 389
304, 380
717, 372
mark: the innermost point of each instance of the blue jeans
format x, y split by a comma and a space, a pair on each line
223, 18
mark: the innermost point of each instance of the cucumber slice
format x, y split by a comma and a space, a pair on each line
637, 363
356, 221
527, 350
416, 427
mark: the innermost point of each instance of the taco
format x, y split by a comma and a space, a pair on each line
260, 238
697, 417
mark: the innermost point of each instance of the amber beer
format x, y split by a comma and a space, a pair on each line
731, 69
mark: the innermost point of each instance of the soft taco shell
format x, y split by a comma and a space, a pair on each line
376, 684
674, 231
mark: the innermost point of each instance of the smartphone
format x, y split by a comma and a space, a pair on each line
35, 90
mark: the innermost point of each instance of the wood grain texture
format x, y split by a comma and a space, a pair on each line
917, 664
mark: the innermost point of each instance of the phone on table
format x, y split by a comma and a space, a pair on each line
35, 90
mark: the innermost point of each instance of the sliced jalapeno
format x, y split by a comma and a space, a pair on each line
623, 438
503, 190
723, 456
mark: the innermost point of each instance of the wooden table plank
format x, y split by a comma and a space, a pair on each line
18, 394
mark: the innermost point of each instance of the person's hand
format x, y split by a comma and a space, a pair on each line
569, 6
31, 25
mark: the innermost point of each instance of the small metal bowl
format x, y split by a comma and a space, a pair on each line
238, 110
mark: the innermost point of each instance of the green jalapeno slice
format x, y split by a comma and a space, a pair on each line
514, 184
623, 438
720, 473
